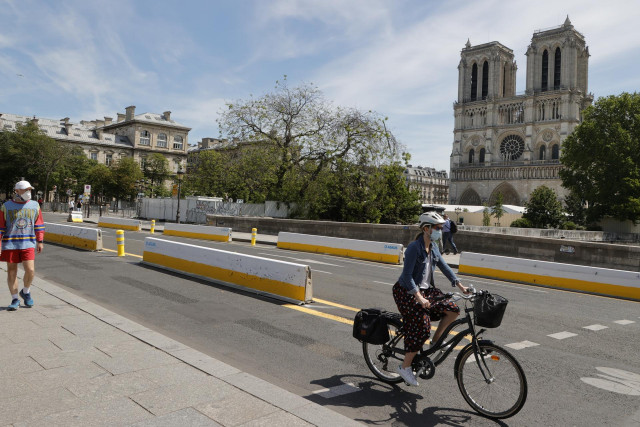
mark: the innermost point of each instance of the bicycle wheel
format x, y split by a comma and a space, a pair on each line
382, 359
504, 394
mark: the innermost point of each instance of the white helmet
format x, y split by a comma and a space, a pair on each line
430, 218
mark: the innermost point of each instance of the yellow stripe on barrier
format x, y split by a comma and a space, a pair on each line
350, 253
276, 287
119, 226
76, 242
555, 282
217, 238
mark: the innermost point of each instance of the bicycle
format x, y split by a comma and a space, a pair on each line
492, 382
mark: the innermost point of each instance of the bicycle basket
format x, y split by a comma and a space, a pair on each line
489, 310
370, 326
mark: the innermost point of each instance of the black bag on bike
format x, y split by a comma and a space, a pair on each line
489, 309
370, 326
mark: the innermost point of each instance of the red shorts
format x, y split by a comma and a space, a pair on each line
18, 255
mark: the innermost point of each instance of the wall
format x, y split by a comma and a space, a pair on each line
475, 218
195, 210
595, 254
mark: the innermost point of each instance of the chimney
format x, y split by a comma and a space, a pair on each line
120, 118
99, 123
167, 115
100, 133
67, 125
34, 121
107, 120
130, 112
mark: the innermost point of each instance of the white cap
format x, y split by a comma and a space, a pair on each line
23, 185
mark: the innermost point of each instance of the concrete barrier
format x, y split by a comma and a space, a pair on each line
74, 236
391, 253
205, 232
121, 223
283, 280
75, 216
595, 280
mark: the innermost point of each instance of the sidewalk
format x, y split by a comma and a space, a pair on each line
68, 361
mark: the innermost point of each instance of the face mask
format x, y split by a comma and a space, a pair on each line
436, 234
26, 196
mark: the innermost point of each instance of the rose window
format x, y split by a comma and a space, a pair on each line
512, 147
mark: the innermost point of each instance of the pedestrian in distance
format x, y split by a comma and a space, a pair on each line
415, 292
449, 228
71, 205
79, 205
22, 234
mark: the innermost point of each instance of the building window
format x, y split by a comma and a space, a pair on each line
485, 80
162, 140
143, 162
145, 138
556, 69
93, 155
555, 152
545, 70
471, 155
108, 160
474, 82
511, 147
481, 158
177, 143
504, 81
542, 152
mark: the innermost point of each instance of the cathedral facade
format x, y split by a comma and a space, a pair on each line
510, 143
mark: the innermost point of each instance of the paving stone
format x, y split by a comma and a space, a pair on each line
19, 365
268, 392
122, 323
66, 375
79, 343
9, 352
159, 341
188, 417
189, 355
40, 334
164, 400
137, 361
47, 402
70, 358
323, 417
235, 408
131, 346
93, 309
49, 322
57, 310
111, 412
91, 327
173, 374
215, 367
277, 419
12, 384
111, 387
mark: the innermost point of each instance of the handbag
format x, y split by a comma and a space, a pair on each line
370, 326
489, 310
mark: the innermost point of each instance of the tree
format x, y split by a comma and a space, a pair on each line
497, 210
156, 169
543, 209
125, 173
576, 211
601, 158
486, 216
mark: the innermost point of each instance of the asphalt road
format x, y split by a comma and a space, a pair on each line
576, 376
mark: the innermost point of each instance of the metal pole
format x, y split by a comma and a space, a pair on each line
153, 226
178, 212
254, 232
120, 242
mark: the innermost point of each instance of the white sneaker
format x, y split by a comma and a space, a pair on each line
407, 375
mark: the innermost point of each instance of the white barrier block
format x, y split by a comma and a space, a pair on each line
205, 232
362, 249
603, 281
280, 279
121, 223
70, 235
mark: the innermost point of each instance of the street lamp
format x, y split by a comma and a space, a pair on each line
179, 173
458, 210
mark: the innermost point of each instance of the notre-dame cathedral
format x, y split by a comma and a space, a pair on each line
510, 143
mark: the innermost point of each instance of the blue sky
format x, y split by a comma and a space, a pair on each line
87, 59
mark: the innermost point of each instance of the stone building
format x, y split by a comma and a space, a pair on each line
510, 143
433, 185
107, 141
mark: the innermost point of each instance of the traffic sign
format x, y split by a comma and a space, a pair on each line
87, 189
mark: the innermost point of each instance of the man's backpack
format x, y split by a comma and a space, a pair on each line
370, 326
453, 227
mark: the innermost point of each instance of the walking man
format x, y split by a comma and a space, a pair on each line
22, 234
448, 228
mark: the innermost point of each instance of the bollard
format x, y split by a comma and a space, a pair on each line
153, 226
254, 231
120, 242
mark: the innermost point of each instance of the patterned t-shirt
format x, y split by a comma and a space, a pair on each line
21, 225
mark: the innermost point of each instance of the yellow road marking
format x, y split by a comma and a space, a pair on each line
320, 314
111, 250
335, 304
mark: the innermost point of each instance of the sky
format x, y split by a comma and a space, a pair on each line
86, 59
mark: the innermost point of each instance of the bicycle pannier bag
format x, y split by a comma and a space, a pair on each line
489, 309
370, 326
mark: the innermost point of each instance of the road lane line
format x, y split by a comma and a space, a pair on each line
624, 322
335, 304
383, 283
319, 314
320, 271
562, 335
522, 344
111, 250
595, 327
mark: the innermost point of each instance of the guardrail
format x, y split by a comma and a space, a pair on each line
74, 236
595, 280
205, 232
121, 223
391, 253
279, 279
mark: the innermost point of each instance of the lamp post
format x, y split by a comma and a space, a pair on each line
179, 174
457, 210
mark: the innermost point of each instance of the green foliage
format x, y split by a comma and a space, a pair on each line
576, 211
570, 225
156, 170
486, 216
544, 210
601, 158
522, 223
125, 173
497, 210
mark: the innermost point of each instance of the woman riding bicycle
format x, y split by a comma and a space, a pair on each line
415, 292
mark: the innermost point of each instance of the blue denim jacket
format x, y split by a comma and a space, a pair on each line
415, 259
